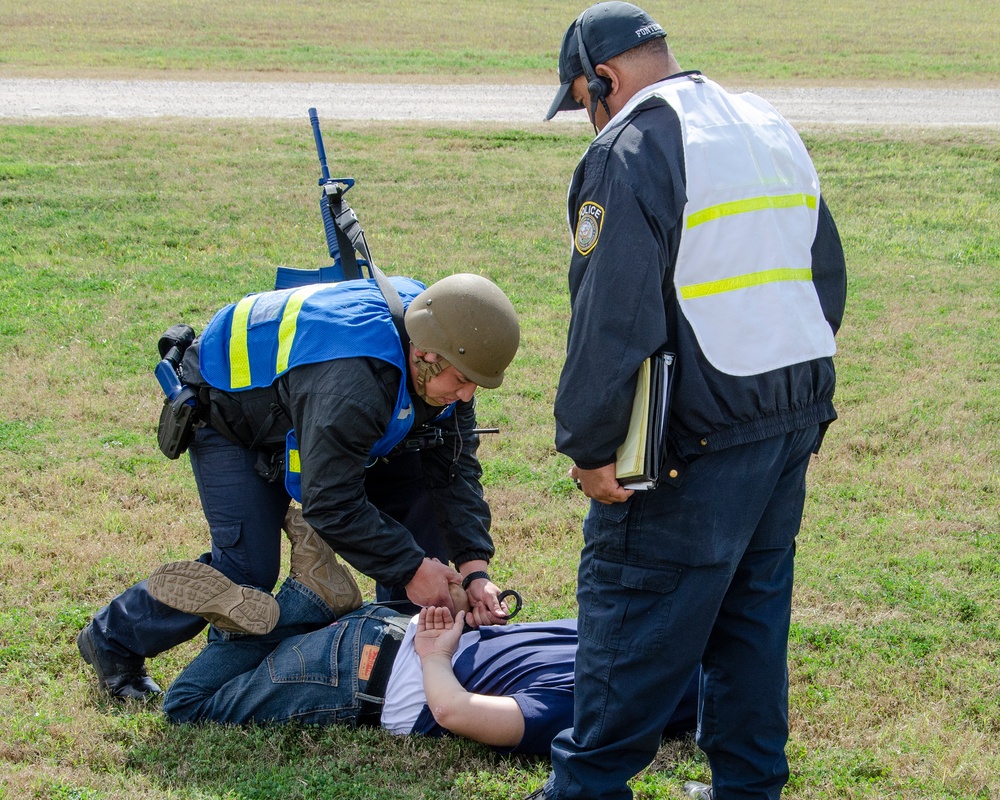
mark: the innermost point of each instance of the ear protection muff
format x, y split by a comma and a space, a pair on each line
597, 86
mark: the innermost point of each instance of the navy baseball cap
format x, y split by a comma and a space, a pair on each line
608, 30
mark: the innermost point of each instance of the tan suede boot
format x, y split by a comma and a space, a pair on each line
200, 589
315, 565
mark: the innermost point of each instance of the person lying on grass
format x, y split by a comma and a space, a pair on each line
318, 656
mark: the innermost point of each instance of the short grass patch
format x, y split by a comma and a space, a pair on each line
946, 43
109, 233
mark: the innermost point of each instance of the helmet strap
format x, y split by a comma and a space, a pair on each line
425, 371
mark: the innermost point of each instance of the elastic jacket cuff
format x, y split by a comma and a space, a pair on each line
472, 555
589, 465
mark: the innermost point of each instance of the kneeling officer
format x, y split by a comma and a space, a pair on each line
306, 393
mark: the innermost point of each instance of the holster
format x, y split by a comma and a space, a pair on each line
178, 419
270, 466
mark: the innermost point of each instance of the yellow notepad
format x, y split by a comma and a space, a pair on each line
638, 459
631, 456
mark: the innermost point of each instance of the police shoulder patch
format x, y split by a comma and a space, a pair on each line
588, 227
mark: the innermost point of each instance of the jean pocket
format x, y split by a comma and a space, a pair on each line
310, 658
624, 607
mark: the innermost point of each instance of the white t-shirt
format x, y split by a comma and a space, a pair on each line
404, 694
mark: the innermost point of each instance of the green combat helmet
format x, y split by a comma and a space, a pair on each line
469, 321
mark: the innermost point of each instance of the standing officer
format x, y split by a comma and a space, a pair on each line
301, 391
698, 228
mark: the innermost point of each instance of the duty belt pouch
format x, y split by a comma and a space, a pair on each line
177, 423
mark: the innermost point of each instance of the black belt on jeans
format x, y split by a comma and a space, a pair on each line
371, 712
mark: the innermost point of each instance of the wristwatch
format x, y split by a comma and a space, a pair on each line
473, 576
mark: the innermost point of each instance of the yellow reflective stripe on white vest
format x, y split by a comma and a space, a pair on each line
239, 353
744, 266
743, 281
752, 204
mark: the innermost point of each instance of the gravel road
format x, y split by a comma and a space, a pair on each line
520, 105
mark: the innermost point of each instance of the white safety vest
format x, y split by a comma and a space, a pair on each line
744, 267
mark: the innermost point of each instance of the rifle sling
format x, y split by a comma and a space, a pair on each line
349, 228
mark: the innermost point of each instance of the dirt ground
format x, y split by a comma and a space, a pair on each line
520, 105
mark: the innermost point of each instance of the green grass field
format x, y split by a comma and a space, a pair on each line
916, 42
110, 232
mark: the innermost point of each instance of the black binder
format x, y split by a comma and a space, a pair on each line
639, 457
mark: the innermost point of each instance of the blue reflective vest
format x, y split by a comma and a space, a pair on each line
251, 343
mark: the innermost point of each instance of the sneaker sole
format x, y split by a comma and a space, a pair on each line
199, 589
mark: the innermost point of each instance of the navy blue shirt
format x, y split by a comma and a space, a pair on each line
533, 663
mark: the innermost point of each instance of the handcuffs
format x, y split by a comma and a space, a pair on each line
472, 576
517, 602
515, 596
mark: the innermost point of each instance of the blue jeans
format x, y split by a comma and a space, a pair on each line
306, 669
245, 514
695, 573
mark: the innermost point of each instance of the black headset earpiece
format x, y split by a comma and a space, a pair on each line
598, 87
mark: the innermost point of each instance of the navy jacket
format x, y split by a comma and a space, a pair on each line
624, 309
339, 409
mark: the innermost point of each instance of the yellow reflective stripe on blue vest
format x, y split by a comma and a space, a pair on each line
289, 323
750, 204
294, 463
743, 281
239, 354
